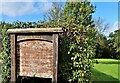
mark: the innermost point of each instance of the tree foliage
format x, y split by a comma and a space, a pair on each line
114, 44
54, 14
76, 43
5, 53
102, 47
78, 26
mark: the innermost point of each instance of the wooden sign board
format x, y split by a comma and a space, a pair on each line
34, 53
36, 58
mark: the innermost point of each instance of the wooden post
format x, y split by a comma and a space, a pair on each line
55, 57
13, 59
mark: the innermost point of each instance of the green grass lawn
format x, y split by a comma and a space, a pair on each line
106, 70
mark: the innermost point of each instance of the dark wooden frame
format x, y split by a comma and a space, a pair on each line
13, 59
13, 37
55, 57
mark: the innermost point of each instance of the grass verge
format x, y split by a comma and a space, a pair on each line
106, 70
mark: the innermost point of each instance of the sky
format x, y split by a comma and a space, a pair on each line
34, 10
108, 12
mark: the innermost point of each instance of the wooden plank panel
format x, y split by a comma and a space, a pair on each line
55, 57
40, 37
35, 58
34, 53
13, 58
36, 30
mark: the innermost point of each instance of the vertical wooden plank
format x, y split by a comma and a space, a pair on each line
13, 58
55, 57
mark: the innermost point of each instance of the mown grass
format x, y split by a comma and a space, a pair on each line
106, 70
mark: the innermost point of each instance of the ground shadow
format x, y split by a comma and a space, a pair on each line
22, 79
107, 62
105, 81
99, 77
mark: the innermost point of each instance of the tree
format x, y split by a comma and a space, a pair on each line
102, 48
54, 19
114, 44
76, 44
53, 16
101, 40
79, 28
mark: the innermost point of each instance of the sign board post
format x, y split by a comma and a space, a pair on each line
34, 53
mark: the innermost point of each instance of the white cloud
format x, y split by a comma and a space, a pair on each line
13, 9
112, 28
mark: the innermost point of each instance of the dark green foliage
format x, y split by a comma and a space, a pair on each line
64, 60
5, 53
76, 43
102, 49
114, 44
78, 26
6, 59
54, 19
19, 24
108, 47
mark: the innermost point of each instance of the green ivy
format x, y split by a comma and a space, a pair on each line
6, 58
5, 54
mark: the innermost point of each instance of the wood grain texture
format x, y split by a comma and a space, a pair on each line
36, 30
55, 57
35, 58
34, 37
13, 59
34, 53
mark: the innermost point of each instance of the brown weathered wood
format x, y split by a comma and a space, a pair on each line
55, 57
33, 37
13, 59
34, 49
35, 58
36, 30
